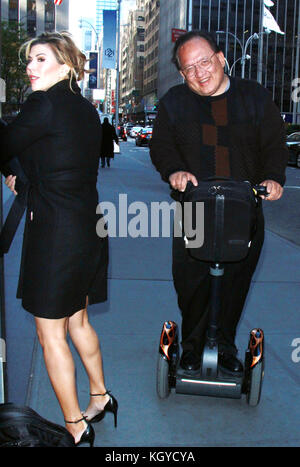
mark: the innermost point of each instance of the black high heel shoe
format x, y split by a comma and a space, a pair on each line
110, 406
88, 436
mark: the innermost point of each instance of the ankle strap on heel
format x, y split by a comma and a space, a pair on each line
107, 392
76, 421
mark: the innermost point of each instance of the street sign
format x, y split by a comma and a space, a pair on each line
93, 77
176, 33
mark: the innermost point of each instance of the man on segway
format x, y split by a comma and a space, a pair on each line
215, 125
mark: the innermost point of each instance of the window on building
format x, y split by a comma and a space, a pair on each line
49, 15
13, 10
31, 17
88, 41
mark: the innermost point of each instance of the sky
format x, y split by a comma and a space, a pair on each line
87, 9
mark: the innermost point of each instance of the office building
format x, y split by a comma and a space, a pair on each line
271, 59
151, 13
172, 22
100, 6
131, 66
36, 16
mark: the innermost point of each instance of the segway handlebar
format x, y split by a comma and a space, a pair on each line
258, 190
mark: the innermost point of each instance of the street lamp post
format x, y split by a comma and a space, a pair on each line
81, 20
247, 57
244, 56
97, 45
118, 66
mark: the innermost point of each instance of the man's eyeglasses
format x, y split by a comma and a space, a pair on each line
205, 63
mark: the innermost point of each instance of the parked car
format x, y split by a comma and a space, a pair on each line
143, 137
133, 132
128, 126
293, 144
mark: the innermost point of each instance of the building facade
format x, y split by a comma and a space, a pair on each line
100, 6
152, 13
36, 16
132, 65
272, 59
173, 21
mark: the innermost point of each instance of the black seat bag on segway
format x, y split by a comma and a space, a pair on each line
229, 219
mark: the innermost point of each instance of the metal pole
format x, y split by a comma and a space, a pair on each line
296, 104
118, 66
3, 388
190, 15
260, 43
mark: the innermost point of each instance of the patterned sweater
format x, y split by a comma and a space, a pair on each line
239, 134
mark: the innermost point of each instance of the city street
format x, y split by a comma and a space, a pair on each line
282, 217
141, 298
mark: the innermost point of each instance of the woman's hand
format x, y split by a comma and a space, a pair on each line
10, 181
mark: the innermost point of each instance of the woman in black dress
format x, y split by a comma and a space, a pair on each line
107, 147
57, 139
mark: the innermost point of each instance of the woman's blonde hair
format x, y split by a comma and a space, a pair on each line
65, 51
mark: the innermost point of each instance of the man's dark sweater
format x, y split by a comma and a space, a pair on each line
239, 134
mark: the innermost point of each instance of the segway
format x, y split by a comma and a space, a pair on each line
223, 200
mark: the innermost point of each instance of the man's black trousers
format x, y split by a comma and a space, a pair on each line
192, 284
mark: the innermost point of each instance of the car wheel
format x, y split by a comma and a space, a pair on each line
298, 160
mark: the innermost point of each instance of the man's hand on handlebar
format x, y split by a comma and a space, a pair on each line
274, 189
178, 180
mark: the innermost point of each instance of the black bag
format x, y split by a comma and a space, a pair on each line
23, 427
227, 221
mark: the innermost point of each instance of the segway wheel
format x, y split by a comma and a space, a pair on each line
256, 375
162, 377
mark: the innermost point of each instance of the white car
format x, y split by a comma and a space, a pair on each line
134, 131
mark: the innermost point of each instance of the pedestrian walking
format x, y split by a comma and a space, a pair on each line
57, 139
109, 136
214, 125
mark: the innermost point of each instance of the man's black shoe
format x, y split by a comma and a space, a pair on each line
189, 361
229, 363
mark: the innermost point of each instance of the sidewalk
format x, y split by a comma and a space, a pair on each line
141, 298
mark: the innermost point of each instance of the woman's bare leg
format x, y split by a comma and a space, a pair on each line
86, 342
61, 370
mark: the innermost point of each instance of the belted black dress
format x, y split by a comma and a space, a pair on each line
57, 138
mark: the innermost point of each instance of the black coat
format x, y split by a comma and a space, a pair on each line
255, 132
57, 138
108, 137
